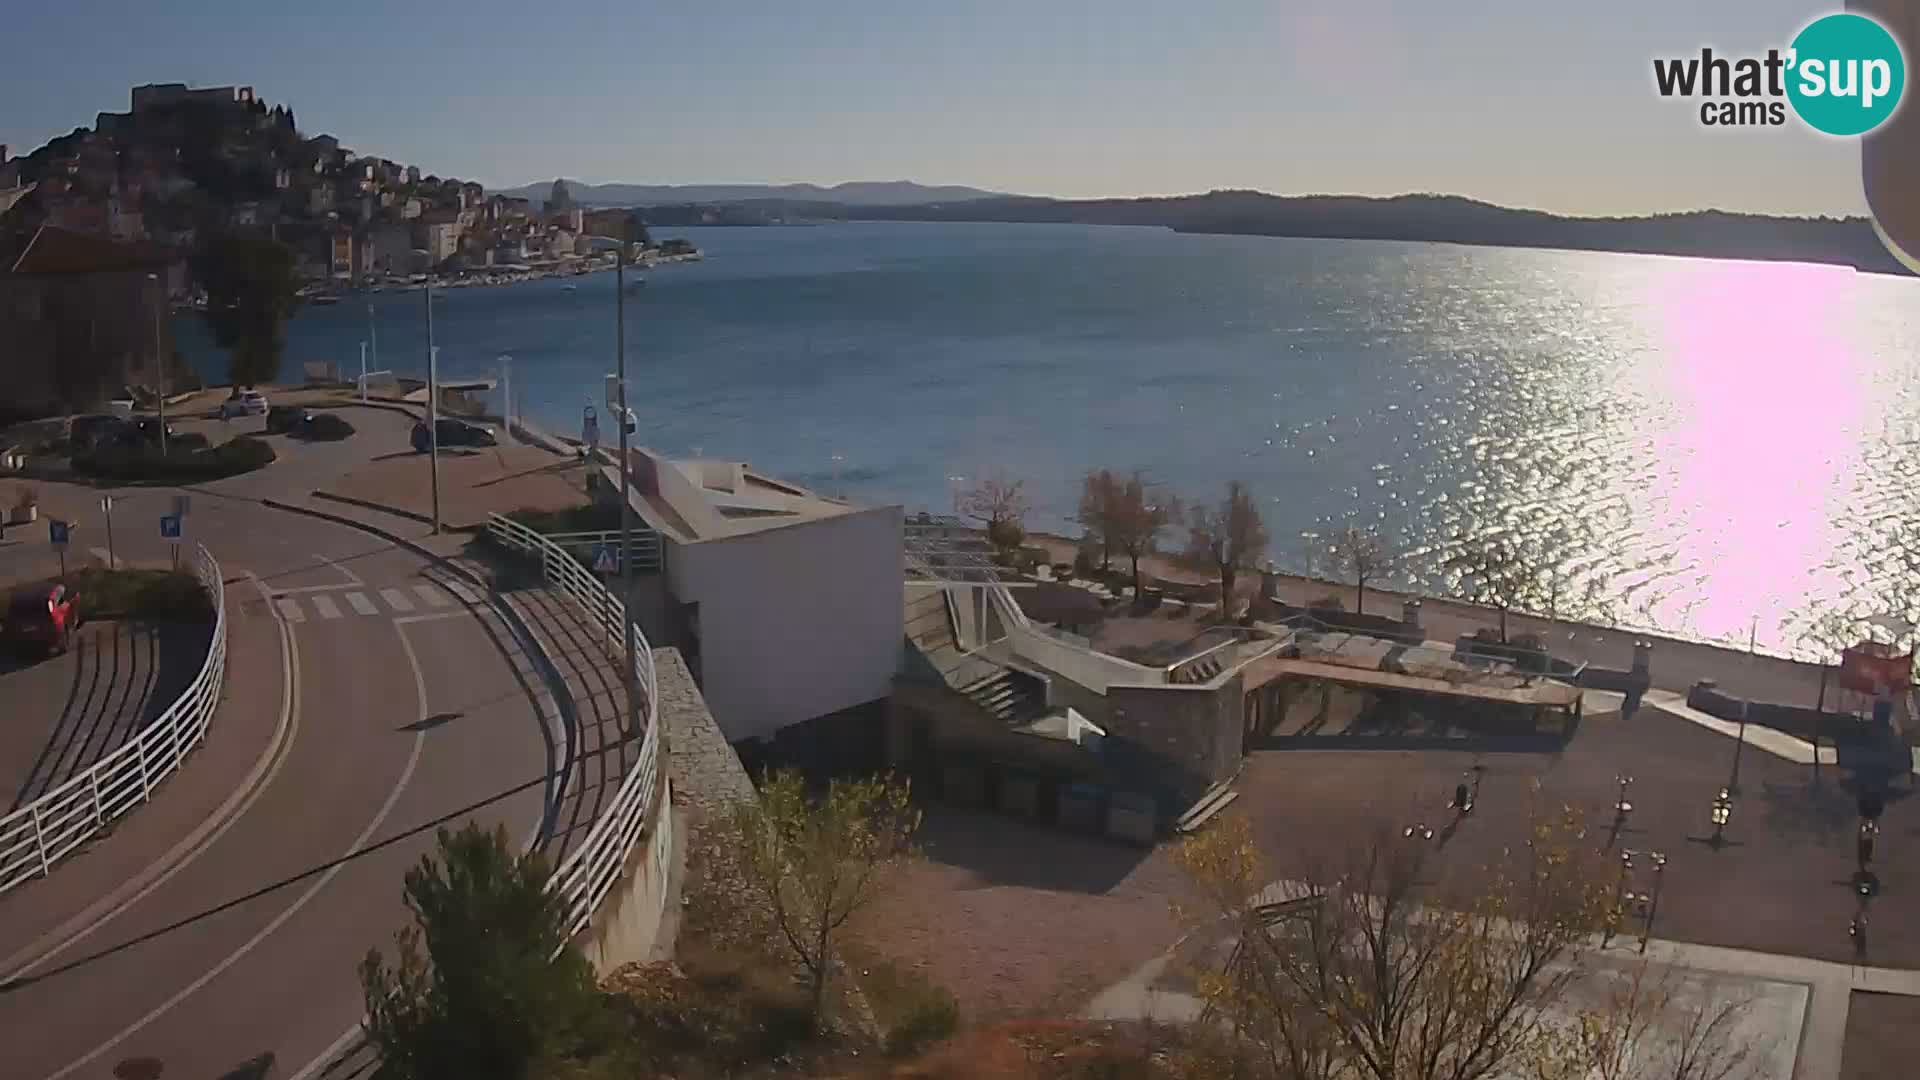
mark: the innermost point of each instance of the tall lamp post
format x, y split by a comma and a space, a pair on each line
160, 356
632, 724
1721, 814
433, 408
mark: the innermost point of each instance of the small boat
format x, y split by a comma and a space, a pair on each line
323, 299
568, 288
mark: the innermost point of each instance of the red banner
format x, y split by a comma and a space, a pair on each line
1870, 669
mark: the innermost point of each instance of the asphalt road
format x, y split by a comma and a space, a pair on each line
403, 708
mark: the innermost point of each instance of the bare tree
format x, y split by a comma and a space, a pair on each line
1653, 1023
1000, 504
1139, 514
1492, 570
1359, 554
1228, 538
1373, 971
1099, 494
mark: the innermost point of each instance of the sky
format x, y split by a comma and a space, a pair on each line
1548, 105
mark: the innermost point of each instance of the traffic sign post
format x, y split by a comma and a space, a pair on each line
58, 532
170, 530
106, 507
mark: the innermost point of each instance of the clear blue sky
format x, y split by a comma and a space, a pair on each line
1522, 102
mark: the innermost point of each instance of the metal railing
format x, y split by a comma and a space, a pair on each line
52, 826
585, 876
645, 545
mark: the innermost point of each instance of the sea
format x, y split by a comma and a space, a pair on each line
1715, 449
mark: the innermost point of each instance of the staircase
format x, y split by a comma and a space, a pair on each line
1011, 696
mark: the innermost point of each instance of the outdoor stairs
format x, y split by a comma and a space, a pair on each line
1215, 799
1011, 696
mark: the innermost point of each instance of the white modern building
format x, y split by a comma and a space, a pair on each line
787, 604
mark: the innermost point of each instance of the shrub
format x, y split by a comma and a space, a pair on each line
1006, 534
929, 1016
142, 594
325, 427
182, 464
1085, 562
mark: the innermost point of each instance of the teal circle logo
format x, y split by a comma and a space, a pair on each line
1846, 74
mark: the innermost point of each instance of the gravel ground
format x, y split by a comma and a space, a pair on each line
1883, 1038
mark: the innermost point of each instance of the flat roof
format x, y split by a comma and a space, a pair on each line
696, 499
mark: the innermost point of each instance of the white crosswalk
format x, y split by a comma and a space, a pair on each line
294, 608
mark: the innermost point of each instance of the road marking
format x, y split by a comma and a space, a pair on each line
289, 609
393, 799
396, 599
196, 844
441, 616
102, 554
352, 578
360, 603
324, 604
434, 597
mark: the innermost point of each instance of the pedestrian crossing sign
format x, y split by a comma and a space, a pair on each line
605, 559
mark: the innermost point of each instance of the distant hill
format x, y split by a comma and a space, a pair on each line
1436, 218
855, 193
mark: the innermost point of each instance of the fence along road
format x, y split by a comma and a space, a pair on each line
57, 823
594, 866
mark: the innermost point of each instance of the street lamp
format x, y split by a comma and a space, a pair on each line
1419, 831
1620, 895
1653, 903
1739, 744
1467, 791
159, 357
1722, 813
1621, 807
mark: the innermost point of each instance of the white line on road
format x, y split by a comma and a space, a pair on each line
195, 844
440, 616
396, 599
360, 603
324, 604
433, 596
393, 798
289, 609
105, 556
464, 591
352, 578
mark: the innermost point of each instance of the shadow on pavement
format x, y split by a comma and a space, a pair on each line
1004, 851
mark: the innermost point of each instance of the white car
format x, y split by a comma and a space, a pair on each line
249, 403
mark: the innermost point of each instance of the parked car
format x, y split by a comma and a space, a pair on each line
41, 619
245, 403
148, 429
285, 418
86, 432
452, 432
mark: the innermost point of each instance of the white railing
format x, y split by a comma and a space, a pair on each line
584, 877
645, 545
52, 826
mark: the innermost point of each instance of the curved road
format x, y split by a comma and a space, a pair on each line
205, 944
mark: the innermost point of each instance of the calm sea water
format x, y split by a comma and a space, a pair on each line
1707, 448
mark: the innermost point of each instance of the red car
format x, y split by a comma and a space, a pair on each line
42, 618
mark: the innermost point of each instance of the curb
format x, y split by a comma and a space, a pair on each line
367, 505
390, 537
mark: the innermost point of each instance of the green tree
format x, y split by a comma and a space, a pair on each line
252, 290
498, 992
818, 861
1099, 495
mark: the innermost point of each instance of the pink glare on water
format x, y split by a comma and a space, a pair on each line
1765, 394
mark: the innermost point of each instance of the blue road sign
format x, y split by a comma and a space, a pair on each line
170, 526
57, 532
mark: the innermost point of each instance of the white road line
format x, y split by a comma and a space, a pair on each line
289, 609
433, 596
441, 616
196, 844
360, 603
393, 798
396, 599
324, 604
352, 578
105, 556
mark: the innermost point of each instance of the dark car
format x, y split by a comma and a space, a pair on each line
285, 418
148, 428
41, 619
86, 432
454, 433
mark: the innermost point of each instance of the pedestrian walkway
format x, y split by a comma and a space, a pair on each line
599, 752
323, 603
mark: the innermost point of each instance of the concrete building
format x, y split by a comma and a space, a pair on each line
787, 604
160, 95
78, 314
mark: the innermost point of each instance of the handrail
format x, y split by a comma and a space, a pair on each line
593, 867
44, 831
